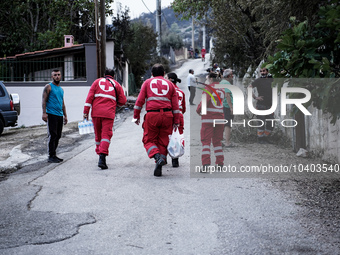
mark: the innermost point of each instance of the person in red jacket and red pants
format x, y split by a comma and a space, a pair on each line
182, 108
104, 96
162, 115
209, 133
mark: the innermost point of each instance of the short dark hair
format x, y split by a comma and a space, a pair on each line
191, 70
157, 70
213, 76
110, 72
55, 70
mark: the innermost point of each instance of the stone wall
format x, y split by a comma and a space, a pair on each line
323, 137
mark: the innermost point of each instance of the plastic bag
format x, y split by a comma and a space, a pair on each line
85, 127
176, 144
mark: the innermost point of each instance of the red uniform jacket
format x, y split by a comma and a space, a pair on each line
158, 93
181, 99
103, 99
214, 111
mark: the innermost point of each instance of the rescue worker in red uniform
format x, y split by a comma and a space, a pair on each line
209, 133
104, 96
161, 117
182, 108
203, 52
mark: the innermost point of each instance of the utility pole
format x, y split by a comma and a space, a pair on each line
158, 25
100, 37
103, 37
96, 13
203, 44
193, 35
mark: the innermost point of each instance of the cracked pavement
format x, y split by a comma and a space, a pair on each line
22, 226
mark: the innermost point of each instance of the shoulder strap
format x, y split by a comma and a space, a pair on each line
114, 89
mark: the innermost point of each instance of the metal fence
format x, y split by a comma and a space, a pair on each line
73, 68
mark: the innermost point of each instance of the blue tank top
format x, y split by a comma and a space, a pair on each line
54, 104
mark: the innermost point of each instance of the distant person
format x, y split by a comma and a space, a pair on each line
203, 52
54, 113
196, 53
228, 106
162, 115
264, 102
103, 98
191, 52
215, 69
210, 133
191, 82
182, 108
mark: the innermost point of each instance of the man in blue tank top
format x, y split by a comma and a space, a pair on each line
54, 113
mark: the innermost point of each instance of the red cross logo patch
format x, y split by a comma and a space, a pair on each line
105, 85
159, 87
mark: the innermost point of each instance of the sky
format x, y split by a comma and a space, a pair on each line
137, 7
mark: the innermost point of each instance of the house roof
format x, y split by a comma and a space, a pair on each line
40, 53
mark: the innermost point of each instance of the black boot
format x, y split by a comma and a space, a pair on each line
158, 171
159, 163
175, 162
102, 161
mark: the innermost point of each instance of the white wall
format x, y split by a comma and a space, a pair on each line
110, 54
31, 103
322, 136
125, 84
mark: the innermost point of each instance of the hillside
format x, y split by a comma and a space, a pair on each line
168, 19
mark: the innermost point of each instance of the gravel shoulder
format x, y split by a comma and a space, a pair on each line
317, 195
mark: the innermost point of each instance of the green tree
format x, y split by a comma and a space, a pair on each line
245, 32
31, 25
308, 50
171, 37
121, 29
141, 49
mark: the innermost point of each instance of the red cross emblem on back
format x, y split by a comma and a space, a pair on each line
159, 87
105, 85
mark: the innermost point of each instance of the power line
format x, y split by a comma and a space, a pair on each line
165, 19
146, 6
162, 14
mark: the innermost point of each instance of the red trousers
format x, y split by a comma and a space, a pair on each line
157, 128
214, 135
103, 133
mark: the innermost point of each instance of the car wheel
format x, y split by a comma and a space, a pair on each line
1, 126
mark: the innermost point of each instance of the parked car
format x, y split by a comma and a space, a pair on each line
9, 108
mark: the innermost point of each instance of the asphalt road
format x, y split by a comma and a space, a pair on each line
75, 208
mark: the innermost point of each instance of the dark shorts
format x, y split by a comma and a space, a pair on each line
227, 115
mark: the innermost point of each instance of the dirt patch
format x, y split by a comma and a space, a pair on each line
33, 141
319, 201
